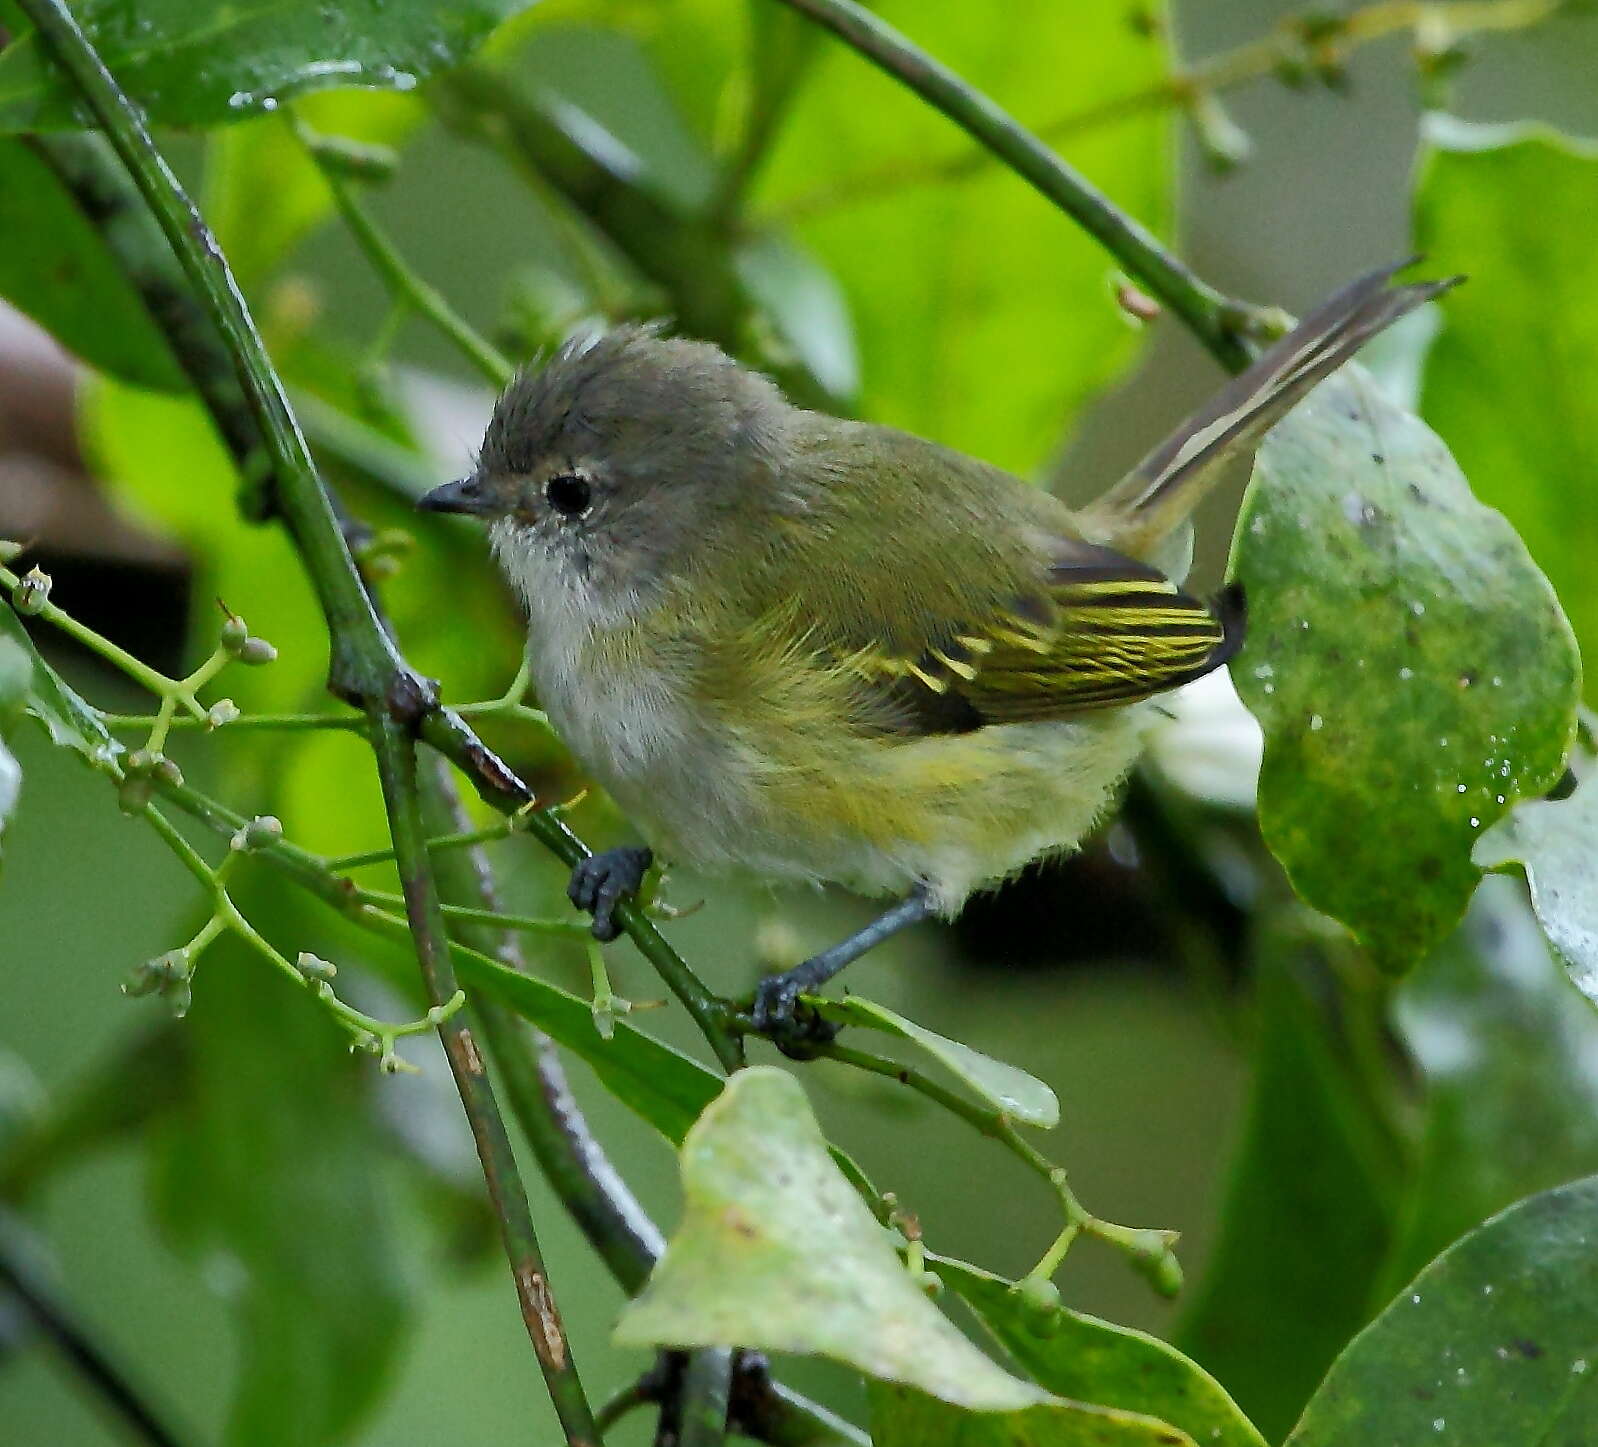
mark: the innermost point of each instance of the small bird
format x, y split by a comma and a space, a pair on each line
810, 649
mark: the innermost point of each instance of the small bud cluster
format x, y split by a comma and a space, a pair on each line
167, 975
243, 646
261, 831
142, 771
31, 593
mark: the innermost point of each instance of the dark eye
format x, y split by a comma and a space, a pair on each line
569, 494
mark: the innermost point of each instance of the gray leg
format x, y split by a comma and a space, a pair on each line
599, 883
776, 995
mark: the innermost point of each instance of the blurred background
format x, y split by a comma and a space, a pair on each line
218, 1175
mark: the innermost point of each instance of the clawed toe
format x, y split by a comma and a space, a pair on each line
600, 882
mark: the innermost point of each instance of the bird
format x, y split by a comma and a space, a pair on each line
811, 649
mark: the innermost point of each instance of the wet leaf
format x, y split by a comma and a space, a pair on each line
1508, 1051
1007, 1088
1409, 664
55, 268
1495, 1344
1095, 1361
1512, 206
1557, 844
777, 1252
206, 62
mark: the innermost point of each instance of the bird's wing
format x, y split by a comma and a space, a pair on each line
1097, 629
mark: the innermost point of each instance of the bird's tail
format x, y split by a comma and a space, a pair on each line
1153, 501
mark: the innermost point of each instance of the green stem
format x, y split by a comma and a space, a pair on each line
1148, 1250
703, 1399
396, 762
404, 284
1211, 316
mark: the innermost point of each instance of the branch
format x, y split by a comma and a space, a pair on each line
1325, 38
365, 667
1213, 318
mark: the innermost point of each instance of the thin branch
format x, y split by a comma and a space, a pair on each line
1332, 35
396, 761
403, 284
1212, 317
75, 1341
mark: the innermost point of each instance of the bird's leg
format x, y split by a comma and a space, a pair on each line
776, 995
599, 883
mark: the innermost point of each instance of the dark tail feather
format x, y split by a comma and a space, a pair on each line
1160, 493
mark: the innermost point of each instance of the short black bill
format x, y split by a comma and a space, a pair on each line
465, 495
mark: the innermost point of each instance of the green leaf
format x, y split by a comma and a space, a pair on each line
777, 1252
1509, 1053
1007, 1088
1094, 1361
1306, 1218
1513, 207
207, 62
667, 1088
983, 315
1495, 1344
55, 268
904, 1417
70, 722
1556, 842
1409, 664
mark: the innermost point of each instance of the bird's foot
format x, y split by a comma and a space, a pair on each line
600, 882
777, 1012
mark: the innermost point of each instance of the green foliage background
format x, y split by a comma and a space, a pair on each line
287, 1249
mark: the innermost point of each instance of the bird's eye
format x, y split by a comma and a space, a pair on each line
569, 494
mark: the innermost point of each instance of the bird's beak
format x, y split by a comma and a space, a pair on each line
464, 496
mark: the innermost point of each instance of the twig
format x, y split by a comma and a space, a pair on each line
76, 1343
1213, 318
1340, 34
403, 284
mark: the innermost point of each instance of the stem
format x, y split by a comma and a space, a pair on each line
396, 761
1147, 1249
93, 1364
1212, 317
702, 1400
403, 284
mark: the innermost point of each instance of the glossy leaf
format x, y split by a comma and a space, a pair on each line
777, 1252
1307, 1213
1006, 1088
1074, 1355
70, 722
1513, 207
1495, 1344
207, 62
983, 315
667, 1088
1409, 664
1508, 1051
54, 267
1557, 844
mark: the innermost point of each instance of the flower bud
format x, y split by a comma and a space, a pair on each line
223, 711
314, 967
262, 830
135, 792
1039, 1300
167, 772
255, 652
31, 593
234, 631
